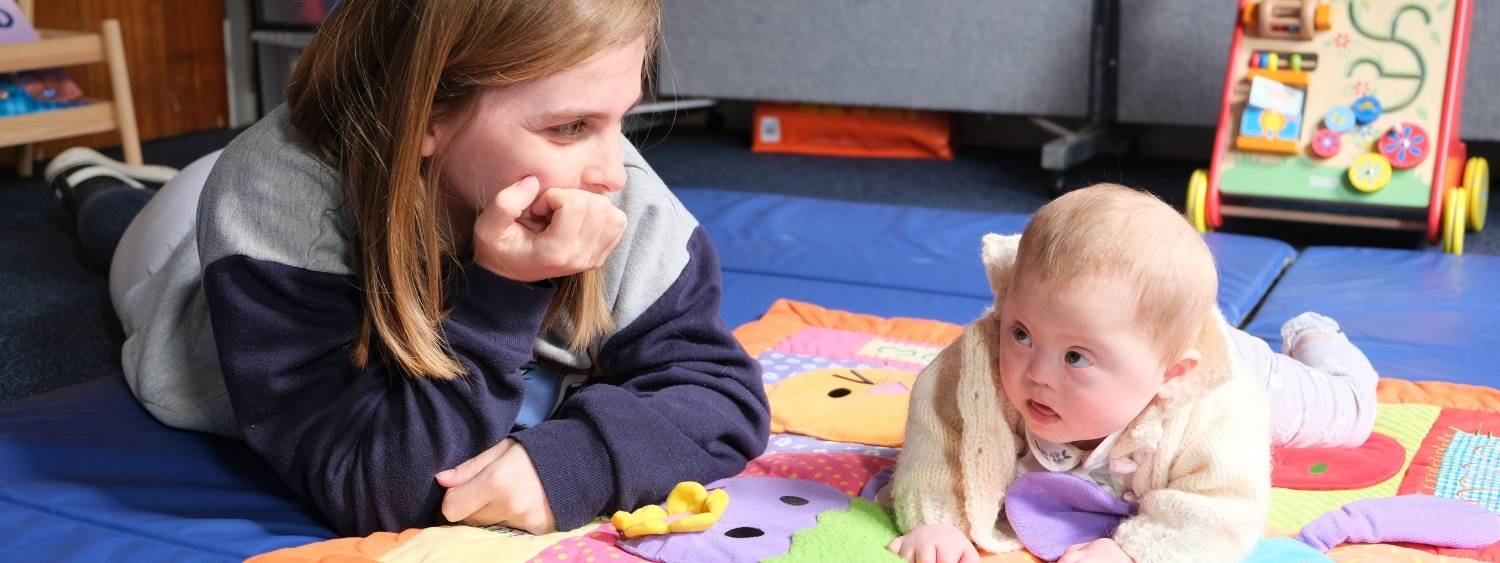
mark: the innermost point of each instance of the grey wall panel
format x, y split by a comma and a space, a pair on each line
1172, 60
993, 56
1482, 79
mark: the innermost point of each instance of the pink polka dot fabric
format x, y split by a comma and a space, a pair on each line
597, 546
843, 471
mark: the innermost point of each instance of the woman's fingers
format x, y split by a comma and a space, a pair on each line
507, 492
507, 205
579, 232
561, 239
466, 471
461, 502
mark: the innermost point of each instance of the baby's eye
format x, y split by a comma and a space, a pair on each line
1021, 337
1076, 359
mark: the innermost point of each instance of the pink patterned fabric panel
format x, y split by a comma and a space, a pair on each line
844, 471
837, 344
597, 546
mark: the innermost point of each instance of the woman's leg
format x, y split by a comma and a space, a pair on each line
103, 202
170, 217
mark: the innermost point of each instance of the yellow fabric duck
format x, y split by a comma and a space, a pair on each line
690, 508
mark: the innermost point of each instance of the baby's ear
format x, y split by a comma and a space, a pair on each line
1212, 366
998, 253
1185, 364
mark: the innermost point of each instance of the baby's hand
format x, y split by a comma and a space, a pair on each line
1098, 551
935, 543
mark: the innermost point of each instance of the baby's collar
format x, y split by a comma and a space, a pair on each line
1066, 457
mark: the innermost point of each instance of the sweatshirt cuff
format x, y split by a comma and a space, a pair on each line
574, 467
484, 299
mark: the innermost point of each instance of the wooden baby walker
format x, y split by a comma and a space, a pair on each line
1346, 112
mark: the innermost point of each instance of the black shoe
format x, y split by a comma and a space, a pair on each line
73, 185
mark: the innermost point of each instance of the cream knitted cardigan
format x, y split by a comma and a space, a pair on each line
1201, 451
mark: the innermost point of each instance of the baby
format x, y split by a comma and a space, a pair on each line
1105, 358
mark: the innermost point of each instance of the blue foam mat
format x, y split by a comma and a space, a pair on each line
87, 475
899, 261
1417, 315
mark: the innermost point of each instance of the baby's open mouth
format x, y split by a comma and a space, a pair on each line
1040, 412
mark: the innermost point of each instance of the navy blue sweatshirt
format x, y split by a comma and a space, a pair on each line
672, 397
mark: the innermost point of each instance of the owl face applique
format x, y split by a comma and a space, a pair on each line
865, 406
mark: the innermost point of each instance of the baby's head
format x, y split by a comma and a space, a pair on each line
1110, 289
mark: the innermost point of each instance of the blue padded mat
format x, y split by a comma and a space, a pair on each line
899, 261
1417, 315
87, 475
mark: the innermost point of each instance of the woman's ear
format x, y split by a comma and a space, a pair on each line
429, 141
998, 253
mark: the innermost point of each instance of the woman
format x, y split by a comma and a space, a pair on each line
389, 278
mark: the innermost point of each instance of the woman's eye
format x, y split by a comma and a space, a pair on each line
1076, 359
570, 129
1021, 337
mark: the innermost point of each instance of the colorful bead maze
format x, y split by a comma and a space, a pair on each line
1346, 112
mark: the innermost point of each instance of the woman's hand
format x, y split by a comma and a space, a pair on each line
570, 230
935, 543
498, 486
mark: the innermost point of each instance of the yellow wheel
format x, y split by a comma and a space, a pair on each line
1447, 224
1196, 206
1454, 219
1477, 185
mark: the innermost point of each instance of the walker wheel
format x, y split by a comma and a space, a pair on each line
1196, 206
1477, 185
1454, 217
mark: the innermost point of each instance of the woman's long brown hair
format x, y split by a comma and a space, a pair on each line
376, 76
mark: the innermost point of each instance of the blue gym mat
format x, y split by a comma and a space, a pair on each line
1417, 315
87, 475
899, 261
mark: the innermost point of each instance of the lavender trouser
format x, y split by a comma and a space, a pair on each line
1324, 396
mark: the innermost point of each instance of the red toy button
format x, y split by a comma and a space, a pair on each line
1326, 143
1405, 145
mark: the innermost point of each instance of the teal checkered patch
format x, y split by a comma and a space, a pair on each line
1471, 470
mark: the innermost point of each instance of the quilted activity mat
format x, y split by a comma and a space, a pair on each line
839, 383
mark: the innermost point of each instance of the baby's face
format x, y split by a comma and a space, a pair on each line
1075, 362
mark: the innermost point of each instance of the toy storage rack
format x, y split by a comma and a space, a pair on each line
66, 48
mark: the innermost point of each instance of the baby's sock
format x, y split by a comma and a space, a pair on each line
1307, 327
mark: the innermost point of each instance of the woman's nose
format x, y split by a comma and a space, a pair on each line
607, 171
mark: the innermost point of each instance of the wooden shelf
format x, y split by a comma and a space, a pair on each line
94, 117
57, 48
70, 48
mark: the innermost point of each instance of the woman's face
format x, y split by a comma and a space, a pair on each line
563, 128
